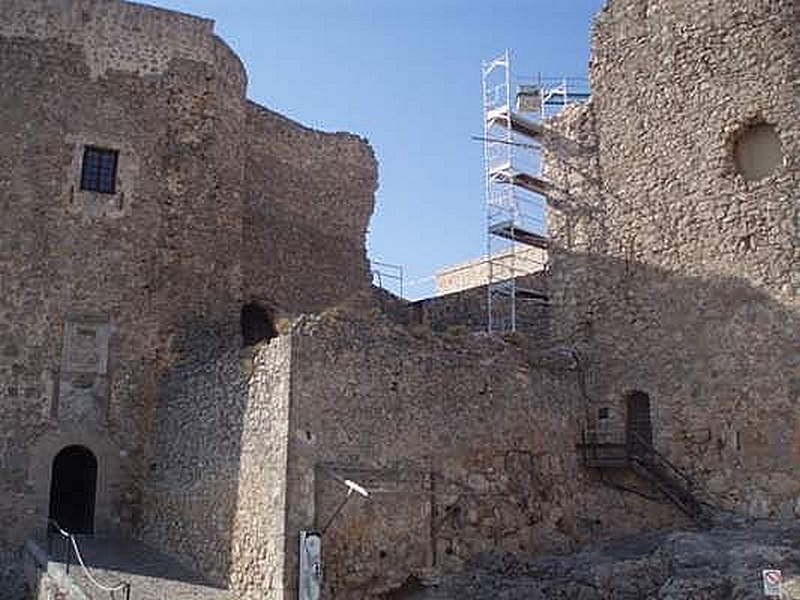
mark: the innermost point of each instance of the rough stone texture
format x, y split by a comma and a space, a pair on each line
119, 317
467, 310
684, 565
672, 274
458, 439
110, 300
258, 562
309, 223
191, 493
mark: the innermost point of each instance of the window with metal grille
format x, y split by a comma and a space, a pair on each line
99, 173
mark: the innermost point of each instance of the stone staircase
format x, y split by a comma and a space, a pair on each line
111, 561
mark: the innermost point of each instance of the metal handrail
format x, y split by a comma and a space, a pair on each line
640, 441
72, 546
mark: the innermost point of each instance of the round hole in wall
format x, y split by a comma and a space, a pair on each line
757, 151
382, 554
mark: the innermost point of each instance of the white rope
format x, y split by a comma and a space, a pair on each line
105, 588
61, 531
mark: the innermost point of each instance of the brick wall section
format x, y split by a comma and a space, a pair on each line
309, 196
672, 274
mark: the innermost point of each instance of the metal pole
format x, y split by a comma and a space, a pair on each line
68, 542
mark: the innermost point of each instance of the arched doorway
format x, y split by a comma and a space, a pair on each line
638, 426
73, 485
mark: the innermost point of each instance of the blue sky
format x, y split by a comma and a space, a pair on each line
405, 74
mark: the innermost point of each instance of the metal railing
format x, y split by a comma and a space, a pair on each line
631, 450
387, 274
70, 547
600, 447
644, 451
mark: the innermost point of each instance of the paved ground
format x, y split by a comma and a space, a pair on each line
152, 575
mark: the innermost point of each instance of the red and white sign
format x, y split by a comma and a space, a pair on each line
772, 582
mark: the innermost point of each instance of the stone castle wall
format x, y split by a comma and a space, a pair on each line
190, 497
675, 268
308, 200
108, 299
466, 444
258, 551
117, 36
673, 273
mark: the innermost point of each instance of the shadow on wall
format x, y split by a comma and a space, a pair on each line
469, 444
718, 357
194, 469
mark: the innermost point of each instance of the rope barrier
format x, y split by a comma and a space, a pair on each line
74, 543
105, 588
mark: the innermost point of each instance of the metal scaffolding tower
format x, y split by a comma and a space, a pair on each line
516, 193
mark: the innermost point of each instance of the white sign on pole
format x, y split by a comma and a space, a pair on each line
310, 565
772, 582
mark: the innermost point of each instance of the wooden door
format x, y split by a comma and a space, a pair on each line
638, 426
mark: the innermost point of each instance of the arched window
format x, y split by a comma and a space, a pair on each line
73, 486
256, 325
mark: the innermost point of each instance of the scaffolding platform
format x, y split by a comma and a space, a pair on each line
508, 118
532, 183
517, 193
520, 293
511, 231
531, 294
560, 98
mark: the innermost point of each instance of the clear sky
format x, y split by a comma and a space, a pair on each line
405, 74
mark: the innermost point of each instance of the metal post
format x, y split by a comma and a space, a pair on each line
67, 556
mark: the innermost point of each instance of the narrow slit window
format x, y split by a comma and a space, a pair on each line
99, 172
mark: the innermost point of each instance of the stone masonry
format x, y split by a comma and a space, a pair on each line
110, 299
675, 269
205, 331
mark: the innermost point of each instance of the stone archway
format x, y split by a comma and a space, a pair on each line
73, 489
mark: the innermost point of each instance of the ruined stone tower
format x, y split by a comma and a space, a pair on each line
676, 265
145, 202
155, 221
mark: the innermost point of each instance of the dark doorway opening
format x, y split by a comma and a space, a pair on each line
638, 426
73, 486
256, 324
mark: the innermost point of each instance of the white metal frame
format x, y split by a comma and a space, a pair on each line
515, 193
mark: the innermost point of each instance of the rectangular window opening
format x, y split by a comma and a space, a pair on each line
99, 172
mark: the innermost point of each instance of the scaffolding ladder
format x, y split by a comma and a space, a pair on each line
516, 192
